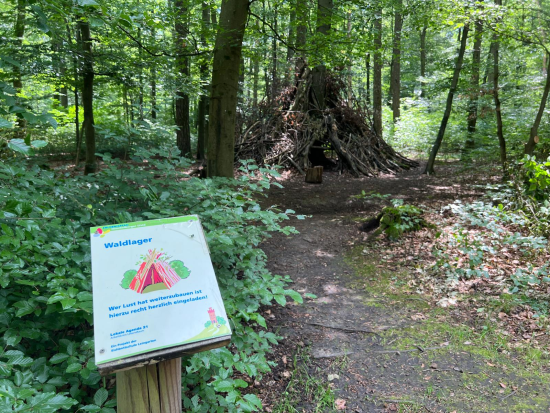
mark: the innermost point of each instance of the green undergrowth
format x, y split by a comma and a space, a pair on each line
47, 356
496, 372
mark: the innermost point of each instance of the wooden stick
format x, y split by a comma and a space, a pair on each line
154, 388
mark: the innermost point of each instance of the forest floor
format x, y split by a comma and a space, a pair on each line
375, 338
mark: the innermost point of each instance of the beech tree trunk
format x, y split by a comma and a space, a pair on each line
19, 32
289, 78
301, 34
367, 63
274, 60
474, 85
498, 113
454, 84
225, 83
88, 96
203, 98
423, 61
183, 134
377, 74
396, 62
533, 136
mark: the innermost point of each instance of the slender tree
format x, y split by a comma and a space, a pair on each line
88, 95
225, 83
498, 111
423, 61
19, 32
377, 72
183, 134
449, 105
474, 84
203, 98
396, 61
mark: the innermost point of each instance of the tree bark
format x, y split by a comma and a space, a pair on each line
301, 34
203, 98
396, 62
88, 96
324, 16
19, 32
377, 74
474, 85
367, 62
183, 134
225, 83
274, 60
498, 112
533, 138
423, 61
454, 84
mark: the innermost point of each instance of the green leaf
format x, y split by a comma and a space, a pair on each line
88, 3
5, 124
223, 386
39, 144
252, 398
19, 145
295, 296
101, 396
73, 368
59, 358
280, 299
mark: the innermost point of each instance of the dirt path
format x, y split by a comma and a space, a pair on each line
367, 343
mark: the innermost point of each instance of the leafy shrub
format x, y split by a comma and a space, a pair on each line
401, 218
47, 361
397, 219
482, 233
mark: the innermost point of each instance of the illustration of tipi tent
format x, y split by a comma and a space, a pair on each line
153, 271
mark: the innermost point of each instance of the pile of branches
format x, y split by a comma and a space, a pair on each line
314, 117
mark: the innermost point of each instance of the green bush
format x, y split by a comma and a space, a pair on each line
47, 361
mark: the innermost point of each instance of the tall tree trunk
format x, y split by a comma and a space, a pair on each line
474, 85
274, 60
88, 96
367, 62
423, 61
301, 34
183, 134
291, 42
153, 93
225, 83
140, 78
324, 16
454, 84
498, 112
19, 32
533, 136
377, 74
203, 98
396, 61
319, 72
349, 77
256, 73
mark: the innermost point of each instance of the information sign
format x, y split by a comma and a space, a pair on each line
155, 293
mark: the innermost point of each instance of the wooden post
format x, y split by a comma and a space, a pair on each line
155, 388
314, 175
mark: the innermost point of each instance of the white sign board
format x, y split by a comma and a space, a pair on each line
154, 288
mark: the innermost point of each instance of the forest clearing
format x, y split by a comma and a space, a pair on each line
335, 205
